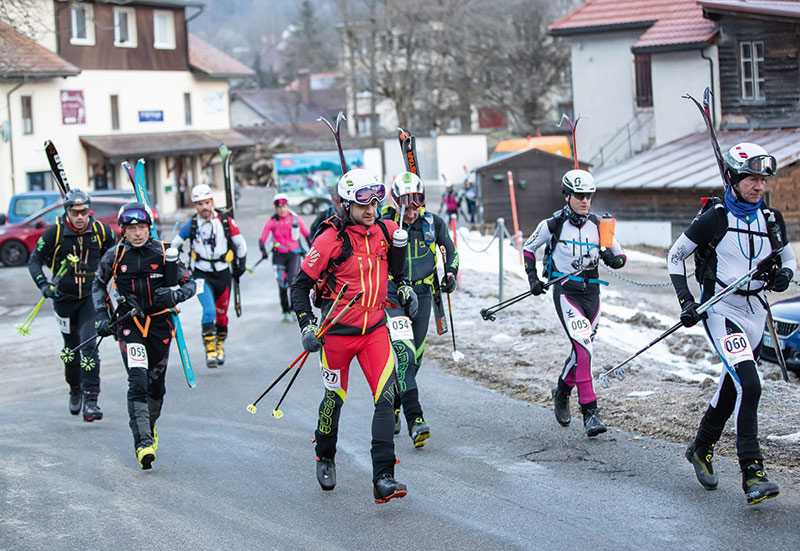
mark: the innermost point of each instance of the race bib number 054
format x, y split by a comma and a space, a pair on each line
400, 329
736, 348
137, 355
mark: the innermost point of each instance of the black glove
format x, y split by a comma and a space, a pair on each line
611, 260
689, 315
408, 300
537, 287
47, 291
166, 298
263, 248
780, 281
450, 282
102, 326
311, 342
239, 266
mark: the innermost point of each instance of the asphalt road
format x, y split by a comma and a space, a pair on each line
497, 473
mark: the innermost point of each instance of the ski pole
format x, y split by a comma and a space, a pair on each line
68, 354
776, 343
277, 413
456, 354
252, 407
24, 328
488, 314
743, 280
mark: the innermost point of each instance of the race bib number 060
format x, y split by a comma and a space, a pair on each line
579, 328
736, 348
137, 355
400, 329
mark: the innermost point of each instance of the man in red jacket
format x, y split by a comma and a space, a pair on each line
360, 250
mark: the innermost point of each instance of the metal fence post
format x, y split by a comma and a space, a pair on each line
501, 230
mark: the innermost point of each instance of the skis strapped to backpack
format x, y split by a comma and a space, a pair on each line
140, 188
56, 167
408, 145
229, 200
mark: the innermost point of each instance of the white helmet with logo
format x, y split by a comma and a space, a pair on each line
577, 181
744, 159
360, 186
408, 183
201, 192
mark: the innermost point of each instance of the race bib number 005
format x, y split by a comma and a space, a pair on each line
579, 328
736, 348
400, 329
137, 355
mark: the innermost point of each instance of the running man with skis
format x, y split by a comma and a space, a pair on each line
359, 250
217, 246
286, 227
76, 233
729, 238
427, 232
143, 272
572, 238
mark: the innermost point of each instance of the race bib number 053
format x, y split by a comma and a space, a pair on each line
137, 355
736, 348
400, 329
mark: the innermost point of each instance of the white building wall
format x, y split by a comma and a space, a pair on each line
675, 74
137, 91
457, 155
243, 115
603, 92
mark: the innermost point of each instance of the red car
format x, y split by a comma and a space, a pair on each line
17, 241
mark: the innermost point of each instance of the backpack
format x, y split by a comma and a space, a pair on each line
555, 224
705, 256
59, 234
322, 289
225, 218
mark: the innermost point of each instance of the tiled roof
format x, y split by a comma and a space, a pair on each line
280, 107
131, 146
669, 23
697, 169
786, 8
205, 58
22, 57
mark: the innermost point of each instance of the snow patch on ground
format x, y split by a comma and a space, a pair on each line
790, 438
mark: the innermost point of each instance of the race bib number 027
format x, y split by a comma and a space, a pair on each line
137, 355
736, 348
331, 378
400, 329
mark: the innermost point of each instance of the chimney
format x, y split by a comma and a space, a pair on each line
304, 86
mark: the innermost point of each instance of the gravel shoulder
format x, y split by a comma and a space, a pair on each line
522, 353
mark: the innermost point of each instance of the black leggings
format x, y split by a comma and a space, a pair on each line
78, 317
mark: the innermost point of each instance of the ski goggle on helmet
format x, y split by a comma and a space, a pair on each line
360, 186
280, 199
748, 158
408, 191
134, 213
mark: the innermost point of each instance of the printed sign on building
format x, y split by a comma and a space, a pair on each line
151, 116
73, 107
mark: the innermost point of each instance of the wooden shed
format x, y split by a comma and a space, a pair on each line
537, 187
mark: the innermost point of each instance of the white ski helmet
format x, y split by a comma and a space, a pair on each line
744, 159
201, 192
360, 186
407, 188
577, 181
280, 199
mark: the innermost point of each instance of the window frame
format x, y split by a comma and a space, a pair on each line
756, 79
643, 71
114, 101
170, 43
187, 108
89, 39
133, 38
26, 103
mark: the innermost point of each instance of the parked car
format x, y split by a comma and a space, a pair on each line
786, 314
17, 241
24, 204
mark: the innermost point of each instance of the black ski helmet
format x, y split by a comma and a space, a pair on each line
134, 213
76, 198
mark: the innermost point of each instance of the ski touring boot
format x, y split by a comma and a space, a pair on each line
146, 455
592, 422
91, 411
419, 432
561, 406
702, 459
75, 400
755, 484
387, 488
210, 342
222, 334
326, 473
